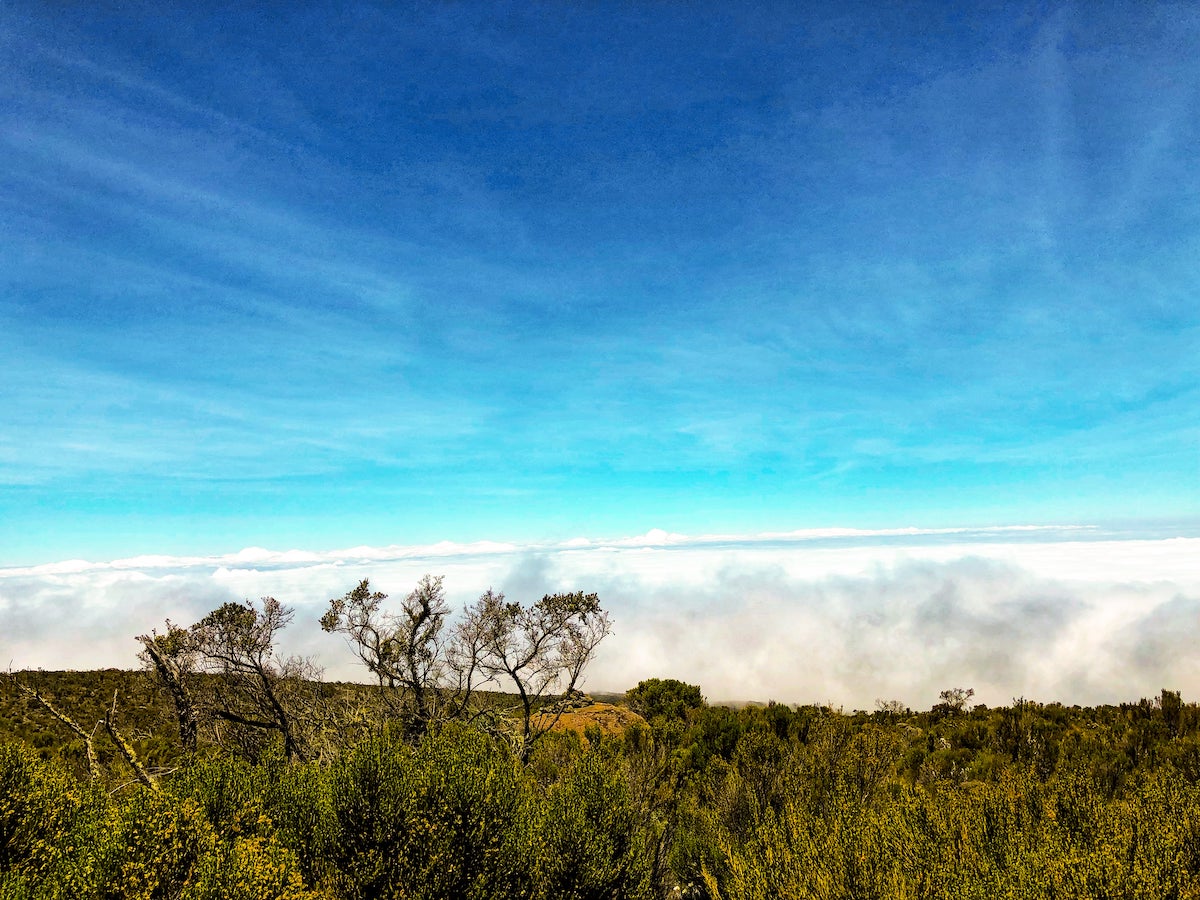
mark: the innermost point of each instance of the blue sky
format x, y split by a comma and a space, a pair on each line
351, 274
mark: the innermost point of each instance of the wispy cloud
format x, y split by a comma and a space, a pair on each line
403, 266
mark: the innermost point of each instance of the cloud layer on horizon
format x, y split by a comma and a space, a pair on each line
831, 616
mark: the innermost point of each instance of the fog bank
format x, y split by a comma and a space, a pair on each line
837, 616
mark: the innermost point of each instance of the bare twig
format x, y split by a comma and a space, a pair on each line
127, 751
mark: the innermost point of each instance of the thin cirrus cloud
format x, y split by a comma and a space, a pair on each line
402, 274
1076, 614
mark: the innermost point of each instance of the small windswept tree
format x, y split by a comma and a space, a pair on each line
954, 700
540, 650
255, 687
890, 709
427, 672
404, 651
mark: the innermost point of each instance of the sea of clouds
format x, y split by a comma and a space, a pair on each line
834, 616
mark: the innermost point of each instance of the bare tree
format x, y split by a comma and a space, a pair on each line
404, 651
541, 650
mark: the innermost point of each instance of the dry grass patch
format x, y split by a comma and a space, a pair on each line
608, 718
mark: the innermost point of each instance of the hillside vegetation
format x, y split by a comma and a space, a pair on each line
1028, 800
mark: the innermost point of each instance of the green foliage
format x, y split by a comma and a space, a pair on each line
1032, 800
447, 819
248, 868
659, 700
228, 790
837, 823
590, 842
66, 839
298, 800
152, 844
39, 806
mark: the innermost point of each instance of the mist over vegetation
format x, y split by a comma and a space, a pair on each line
466, 764
1073, 615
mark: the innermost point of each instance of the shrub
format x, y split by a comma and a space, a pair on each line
590, 843
447, 819
39, 806
253, 868
151, 847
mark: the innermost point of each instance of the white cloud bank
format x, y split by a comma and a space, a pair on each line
837, 615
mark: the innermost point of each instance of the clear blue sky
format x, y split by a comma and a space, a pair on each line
328, 274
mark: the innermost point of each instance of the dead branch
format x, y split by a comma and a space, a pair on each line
89, 747
127, 751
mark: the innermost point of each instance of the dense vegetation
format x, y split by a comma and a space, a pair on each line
1029, 800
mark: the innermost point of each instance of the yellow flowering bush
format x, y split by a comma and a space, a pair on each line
253, 868
39, 808
448, 819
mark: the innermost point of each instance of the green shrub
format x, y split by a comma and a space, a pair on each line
446, 820
152, 846
39, 806
298, 800
590, 843
248, 868
227, 789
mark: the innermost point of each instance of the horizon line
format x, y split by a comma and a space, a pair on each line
652, 539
